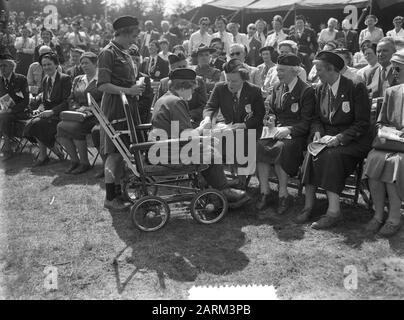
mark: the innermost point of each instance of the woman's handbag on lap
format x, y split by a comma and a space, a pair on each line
388, 139
74, 116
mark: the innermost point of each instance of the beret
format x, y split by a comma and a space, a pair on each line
204, 48
289, 59
182, 74
267, 48
125, 21
232, 65
174, 58
331, 58
398, 57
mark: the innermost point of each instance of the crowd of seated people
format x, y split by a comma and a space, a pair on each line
313, 94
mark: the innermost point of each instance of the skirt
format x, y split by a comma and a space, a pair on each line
386, 167
43, 130
332, 166
76, 130
286, 153
112, 107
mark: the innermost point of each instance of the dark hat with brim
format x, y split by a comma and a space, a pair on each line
183, 74
124, 22
203, 48
232, 65
289, 59
331, 58
267, 48
174, 58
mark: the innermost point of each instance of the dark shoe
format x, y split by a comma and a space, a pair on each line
41, 163
73, 166
262, 201
373, 226
326, 222
100, 174
116, 205
389, 229
233, 195
81, 169
304, 215
284, 204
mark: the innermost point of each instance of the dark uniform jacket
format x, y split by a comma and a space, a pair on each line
307, 43
296, 109
198, 101
250, 108
253, 57
351, 116
158, 72
58, 100
18, 91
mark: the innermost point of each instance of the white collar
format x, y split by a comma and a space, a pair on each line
292, 84
335, 86
387, 68
95, 78
53, 77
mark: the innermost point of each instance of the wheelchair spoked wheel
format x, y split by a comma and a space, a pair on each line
150, 213
132, 188
209, 206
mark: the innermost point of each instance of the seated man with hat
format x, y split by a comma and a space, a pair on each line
199, 96
14, 98
291, 110
341, 124
171, 108
209, 74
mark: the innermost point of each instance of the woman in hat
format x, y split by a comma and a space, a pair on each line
72, 134
341, 123
385, 169
56, 88
372, 33
116, 74
210, 75
292, 107
172, 108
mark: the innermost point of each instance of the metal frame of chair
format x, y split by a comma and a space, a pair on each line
149, 211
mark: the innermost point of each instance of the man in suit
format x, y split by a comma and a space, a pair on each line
342, 122
170, 37
46, 36
218, 58
253, 57
75, 70
348, 37
199, 96
146, 37
16, 87
236, 102
292, 103
381, 77
154, 66
305, 38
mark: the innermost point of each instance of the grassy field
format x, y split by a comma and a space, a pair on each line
51, 219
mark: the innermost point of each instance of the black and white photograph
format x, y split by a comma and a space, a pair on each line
201, 150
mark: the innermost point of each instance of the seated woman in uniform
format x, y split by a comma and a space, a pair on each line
173, 107
385, 169
72, 134
342, 115
292, 103
56, 89
13, 86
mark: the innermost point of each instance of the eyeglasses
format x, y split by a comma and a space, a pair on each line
235, 54
396, 69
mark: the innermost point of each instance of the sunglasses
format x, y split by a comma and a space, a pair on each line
235, 54
396, 69
253, 28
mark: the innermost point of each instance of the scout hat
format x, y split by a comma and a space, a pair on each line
289, 59
125, 21
183, 74
331, 58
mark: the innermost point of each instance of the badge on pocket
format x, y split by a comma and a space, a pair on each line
346, 106
294, 108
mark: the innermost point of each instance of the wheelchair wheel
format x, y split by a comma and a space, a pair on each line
150, 213
132, 189
209, 206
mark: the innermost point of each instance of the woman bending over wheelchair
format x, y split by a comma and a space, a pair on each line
72, 134
172, 108
384, 169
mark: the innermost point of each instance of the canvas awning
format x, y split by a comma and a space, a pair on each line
277, 5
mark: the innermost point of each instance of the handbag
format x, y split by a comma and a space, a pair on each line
73, 116
387, 140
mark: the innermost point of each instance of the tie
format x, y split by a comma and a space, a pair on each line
285, 94
331, 100
382, 82
234, 39
49, 91
151, 67
6, 84
264, 73
235, 106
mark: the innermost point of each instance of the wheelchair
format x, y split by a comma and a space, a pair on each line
143, 184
